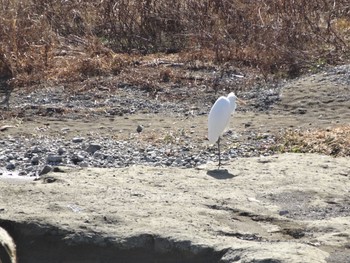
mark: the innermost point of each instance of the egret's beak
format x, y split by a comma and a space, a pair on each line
241, 101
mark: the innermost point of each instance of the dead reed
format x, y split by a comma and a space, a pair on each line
68, 40
333, 141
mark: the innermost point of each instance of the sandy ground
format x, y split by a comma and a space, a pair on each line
290, 207
282, 208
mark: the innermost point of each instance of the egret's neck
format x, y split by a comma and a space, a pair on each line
232, 100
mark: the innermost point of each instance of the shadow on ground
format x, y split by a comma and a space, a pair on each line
220, 174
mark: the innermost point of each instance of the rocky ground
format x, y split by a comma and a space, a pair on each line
113, 125
103, 123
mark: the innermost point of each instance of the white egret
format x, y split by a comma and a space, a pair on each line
219, 117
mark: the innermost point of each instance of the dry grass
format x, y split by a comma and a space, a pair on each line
333, 141
44, 40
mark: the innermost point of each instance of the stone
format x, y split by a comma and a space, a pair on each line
10, 166
22, 173
36, 149
77, 139
84, 164
35, 160
76, 158
65, 129
10, 157
283, 212
98, 155
139, 128
57, 169
54, 159
46, 169
92, 148
61, 151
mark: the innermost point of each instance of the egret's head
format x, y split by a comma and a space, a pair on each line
232, 98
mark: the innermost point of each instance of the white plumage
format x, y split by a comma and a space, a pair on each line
219, 116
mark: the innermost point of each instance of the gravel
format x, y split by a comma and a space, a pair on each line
35, 156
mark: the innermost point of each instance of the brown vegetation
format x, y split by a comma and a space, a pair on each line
333, 141
69, 40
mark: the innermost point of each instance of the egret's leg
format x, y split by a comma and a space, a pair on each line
219, 152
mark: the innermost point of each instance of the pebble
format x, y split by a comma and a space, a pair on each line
283, 212
27, 154
77, 139
92, 148
84, 164
10, 166
139, 128
22, 173
57, 170
105, 152
77, 158
10, 157
54, 158
45, 170
35, 149
35, 160
61, 151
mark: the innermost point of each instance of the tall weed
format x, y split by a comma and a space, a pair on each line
42, 39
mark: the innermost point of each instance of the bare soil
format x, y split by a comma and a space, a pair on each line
281, 208
286, 208
317, 101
